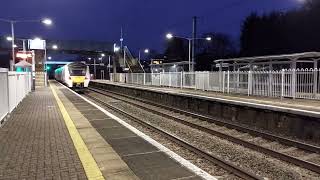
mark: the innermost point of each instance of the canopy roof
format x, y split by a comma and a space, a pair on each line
296, 56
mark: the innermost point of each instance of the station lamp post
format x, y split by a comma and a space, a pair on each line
102, 56
146, 51
45, 21
191, 67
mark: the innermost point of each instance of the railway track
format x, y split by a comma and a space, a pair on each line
233, 169
310, 152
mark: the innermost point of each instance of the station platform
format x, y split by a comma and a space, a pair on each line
288, 105
56, 134
295, 118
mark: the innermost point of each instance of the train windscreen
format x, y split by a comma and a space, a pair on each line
77, 72
77, 69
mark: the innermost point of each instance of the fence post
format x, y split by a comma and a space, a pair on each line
144, 78
249, 83
160, 79
195, 79
282, 83
270, 83
181, 79
208, 81
228, 82
293, 88
8, 92
315, 82
223, 80
169, 79
238, 81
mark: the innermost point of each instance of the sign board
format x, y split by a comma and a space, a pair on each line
223, 65
37, 44
24, 54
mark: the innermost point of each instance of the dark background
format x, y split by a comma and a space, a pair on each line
145, 22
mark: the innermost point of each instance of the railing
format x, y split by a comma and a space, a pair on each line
297, 83
14, 87
133, 63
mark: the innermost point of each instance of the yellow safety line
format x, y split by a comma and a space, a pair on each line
89, 164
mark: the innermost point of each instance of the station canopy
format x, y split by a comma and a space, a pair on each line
289, 59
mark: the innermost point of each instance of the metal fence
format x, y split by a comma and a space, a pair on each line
14, 87
297, 83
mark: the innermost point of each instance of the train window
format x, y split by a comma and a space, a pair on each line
77, 72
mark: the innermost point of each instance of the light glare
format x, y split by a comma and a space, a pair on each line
169, 36
9, 38
47, 21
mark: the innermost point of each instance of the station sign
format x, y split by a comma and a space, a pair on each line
223, 65
37, 44
24, 54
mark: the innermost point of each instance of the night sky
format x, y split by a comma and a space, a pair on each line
145, 22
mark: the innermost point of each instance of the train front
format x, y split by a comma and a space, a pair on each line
79, 75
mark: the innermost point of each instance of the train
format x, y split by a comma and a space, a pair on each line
75, 75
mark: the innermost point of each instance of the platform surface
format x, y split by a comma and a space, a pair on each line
298, 104
145, 160
37, 143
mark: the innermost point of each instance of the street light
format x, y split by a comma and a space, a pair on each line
9, 38
55, 46
146, 51
116, 48
49, 57
103, 55
170, 36
45, 21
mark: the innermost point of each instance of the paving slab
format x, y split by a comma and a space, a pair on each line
144, 160
108, 161
35, 143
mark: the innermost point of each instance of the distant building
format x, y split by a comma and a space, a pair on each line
160, 65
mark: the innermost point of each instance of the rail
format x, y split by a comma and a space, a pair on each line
238, 171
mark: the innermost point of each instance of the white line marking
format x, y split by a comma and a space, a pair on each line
162, 148
126, 137
101, 119
137, 154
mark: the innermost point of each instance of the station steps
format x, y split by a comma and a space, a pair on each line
40, 79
